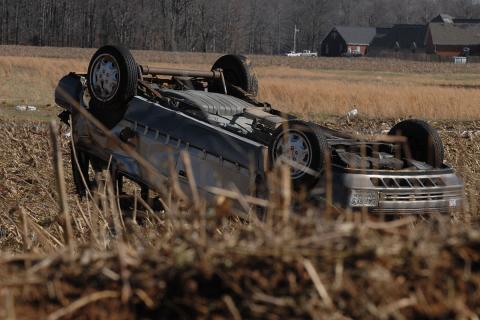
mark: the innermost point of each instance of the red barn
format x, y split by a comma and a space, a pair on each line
453, 39
347, 41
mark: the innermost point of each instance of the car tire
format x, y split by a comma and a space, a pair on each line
237, 71
423, 140
314, 143
112, 82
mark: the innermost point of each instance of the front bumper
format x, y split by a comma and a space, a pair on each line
401, 192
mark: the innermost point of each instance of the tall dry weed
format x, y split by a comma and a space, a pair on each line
305, 92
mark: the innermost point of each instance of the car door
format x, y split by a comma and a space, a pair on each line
210, 170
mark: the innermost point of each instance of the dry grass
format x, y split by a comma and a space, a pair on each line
308, 87
373, 99
321, 63
33, 80
208, 263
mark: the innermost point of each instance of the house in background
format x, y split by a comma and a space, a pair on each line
453, 39
347, 41
400, 38
448, 36
445, 36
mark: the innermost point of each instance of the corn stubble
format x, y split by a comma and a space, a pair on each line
90, 259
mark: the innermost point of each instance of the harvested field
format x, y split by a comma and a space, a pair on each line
209, 264
99, 262
313, 88
302, 270
321, 63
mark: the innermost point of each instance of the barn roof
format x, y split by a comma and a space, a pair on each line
381, 38
466, 20
458, 34
356, 35
446, 18
404, 34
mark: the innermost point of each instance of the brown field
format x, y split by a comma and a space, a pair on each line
208, 263
308, 87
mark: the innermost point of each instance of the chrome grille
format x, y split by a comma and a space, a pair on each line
421, 195
409, 211
408, 182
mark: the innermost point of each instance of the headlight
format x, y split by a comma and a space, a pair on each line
364, 198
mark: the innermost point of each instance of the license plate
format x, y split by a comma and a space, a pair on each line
364, 198
453, 203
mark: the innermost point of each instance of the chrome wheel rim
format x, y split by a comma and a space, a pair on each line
294, 147
105, 77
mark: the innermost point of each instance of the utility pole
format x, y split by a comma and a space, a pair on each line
295, 39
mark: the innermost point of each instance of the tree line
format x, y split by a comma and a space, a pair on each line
246, 26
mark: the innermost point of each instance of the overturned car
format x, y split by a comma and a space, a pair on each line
233, 140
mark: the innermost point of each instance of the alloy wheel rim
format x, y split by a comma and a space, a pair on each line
295, 147
105, 77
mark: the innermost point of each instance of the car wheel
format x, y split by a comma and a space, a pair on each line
112, 82
424, 141
237, 71
301, 146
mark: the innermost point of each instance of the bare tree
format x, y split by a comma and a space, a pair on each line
250, 26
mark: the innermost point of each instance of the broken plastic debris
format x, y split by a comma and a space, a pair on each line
352, 113
25, 108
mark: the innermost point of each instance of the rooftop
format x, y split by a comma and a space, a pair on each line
455, 34
404, 34
356, 35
